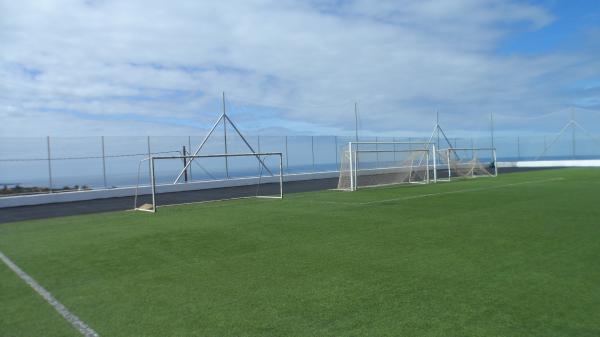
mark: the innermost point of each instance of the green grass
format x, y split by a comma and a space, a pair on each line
514, 256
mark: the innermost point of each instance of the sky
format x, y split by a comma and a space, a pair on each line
104, 67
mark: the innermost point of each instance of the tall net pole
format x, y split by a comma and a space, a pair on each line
225, 138
356, 121
437, 127
492, 127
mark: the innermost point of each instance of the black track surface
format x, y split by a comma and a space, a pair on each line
125, 203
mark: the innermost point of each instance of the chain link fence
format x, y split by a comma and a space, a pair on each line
46, 164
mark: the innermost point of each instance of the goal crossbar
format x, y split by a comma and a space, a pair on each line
244, 180
350, 169
472, 166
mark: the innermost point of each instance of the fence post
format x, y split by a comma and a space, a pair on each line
149, 154
103, 163
185, 173
185, 154
49, 163
336, 152
287, 157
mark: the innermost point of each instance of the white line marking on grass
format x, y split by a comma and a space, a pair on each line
476, 189
77, 323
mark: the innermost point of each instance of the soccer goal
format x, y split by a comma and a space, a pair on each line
466, 163
223, 177
370, 164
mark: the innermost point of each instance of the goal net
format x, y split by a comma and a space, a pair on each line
466, 163
215, 177
378, 164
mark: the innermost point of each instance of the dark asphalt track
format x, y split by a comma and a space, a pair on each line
124, 203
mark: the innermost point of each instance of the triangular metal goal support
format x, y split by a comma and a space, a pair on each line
574, 125
437, 131
222, 118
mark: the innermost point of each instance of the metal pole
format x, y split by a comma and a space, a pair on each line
437, 127
434, 164
190, 148
199, 147
394, 140
247, 144
287, 156
258, 143
312, 148
153, 183
280, 176
427, 157
546, 147
258, 149
103, 163
336, 151
185, 175
149, 154
356, 121
49, 164
225, 138
356, 168
518, 148
449, 169
351, 166
492, 127
495, 163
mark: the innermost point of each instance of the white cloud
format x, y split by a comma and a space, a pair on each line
170, 60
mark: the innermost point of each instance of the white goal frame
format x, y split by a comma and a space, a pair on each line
448, 155
153, 185
353, 157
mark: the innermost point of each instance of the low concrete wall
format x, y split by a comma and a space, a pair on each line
39, 199
49, 198
551, 163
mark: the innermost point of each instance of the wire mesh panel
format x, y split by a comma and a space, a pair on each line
325, 153
24, 165
77, 162
300, 157
122, 155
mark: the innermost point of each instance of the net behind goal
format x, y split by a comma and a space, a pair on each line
467, 163
215, 177
366, 167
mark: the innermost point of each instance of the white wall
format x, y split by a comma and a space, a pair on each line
49, 198
38, 199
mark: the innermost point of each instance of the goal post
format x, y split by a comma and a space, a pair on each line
380, 166
468, 162
249, 175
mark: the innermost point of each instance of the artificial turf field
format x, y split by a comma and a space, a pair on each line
517, 255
